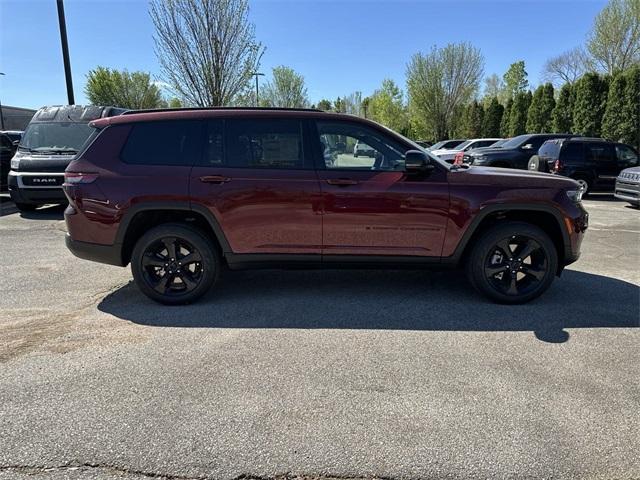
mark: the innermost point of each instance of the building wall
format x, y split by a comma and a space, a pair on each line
16, 118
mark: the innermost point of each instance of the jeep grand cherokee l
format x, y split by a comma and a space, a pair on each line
181, 193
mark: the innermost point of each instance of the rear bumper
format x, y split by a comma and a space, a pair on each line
109, 254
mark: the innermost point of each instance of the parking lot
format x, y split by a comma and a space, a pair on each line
343, 374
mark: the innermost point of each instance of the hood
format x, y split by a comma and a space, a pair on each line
511, 177
444, 151
493, 151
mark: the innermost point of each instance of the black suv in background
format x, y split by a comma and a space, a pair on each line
514, 153
593, 162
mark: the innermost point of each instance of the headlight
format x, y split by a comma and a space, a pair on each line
15, 163
575, 195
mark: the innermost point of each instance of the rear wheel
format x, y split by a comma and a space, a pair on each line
584, 183
513, 263
174, 264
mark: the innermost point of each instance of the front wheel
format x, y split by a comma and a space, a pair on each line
513, 263
174, 264
585, 185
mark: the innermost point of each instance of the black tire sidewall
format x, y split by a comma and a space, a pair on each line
210, 262
26, 207
475, 263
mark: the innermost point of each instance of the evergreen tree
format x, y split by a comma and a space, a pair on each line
515, 79
472, 119
492, 119
589, 107
546, 110
506, 119
613, 122
534, 115
563, 112
518, 114
631, 125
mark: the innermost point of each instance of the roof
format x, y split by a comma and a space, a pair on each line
226, 112
74, 113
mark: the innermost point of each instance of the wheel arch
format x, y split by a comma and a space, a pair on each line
141, 217
547, 218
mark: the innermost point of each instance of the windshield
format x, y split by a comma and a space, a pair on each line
462, 145
438, 145
500, 143
55, 137
515, 141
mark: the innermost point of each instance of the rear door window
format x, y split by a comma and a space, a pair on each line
572, 152
163, 143
266, 143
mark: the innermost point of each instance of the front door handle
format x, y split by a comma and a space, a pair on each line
342, 182
214, 179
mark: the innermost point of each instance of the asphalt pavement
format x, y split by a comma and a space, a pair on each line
317, 374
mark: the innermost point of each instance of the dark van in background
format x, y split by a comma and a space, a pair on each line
51, 140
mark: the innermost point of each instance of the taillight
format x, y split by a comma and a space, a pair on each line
556, 166
75, 178
457, 160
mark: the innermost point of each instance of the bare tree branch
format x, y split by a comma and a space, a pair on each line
206, 48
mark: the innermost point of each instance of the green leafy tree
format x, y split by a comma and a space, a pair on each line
472, 119
534, 114
506, 119
386, 106
614, 41
324, 105
518, 114
175, 103
124, 89
539, 116
562, 117
613, 123
286, 89
439, 83
590, 102
515, 79
339, 106
630, 132
492, 119
548, 104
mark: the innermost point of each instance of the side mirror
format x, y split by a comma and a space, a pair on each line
16, 143
528, 146
416, 161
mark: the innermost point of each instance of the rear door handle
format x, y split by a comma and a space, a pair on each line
214, 179
342, 182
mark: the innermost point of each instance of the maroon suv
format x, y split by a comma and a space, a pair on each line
181, 193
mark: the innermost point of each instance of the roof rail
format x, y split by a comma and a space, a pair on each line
588, 139
186, 109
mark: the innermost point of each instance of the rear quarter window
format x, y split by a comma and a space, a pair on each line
573, 151
163, 143
550, 149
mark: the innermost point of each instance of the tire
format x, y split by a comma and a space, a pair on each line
534, 163
585, 183
490, 268
181, 283
26, 207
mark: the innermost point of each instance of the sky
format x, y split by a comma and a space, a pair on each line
339, 47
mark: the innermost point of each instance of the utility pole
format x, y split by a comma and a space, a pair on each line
65, 52
1, 114
257, 74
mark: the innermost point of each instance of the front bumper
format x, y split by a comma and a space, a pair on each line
23, 189
627, 191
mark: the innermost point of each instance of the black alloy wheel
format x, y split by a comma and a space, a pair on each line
513, 263
174, 264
